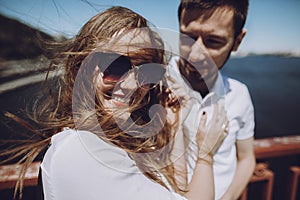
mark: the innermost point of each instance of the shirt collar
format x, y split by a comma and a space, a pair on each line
217, 92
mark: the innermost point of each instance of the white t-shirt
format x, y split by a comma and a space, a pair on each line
238, 105
79, 165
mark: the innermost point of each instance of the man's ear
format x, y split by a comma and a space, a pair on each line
239, 39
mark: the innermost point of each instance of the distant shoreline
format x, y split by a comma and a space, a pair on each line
278, 54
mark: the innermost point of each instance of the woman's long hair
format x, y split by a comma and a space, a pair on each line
55, 109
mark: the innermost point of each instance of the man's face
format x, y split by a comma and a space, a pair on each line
206, 42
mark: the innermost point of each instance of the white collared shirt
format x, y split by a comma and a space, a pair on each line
235, 97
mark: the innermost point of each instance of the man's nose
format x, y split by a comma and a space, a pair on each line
198, 52
129, 82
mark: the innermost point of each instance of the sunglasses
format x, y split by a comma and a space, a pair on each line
116, 67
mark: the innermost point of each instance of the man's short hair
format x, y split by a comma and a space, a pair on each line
240, 8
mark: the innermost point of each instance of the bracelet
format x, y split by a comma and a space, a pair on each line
205, 159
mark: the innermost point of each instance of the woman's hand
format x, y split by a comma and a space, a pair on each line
210, 135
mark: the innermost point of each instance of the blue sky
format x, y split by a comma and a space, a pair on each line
273, 25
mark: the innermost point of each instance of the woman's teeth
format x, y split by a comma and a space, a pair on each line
120, 99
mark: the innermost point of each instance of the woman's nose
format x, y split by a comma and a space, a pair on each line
198, 52
129, 82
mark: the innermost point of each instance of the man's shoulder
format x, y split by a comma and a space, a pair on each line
234, 85
237, 92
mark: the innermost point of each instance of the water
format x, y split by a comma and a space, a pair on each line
274, 84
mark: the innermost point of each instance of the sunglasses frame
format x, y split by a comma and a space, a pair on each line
136, 69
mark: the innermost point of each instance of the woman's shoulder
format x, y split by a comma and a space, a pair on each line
86, 146
63, 136
91, 142
62, 144
72, 136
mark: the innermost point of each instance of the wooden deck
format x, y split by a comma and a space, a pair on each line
9, 175
277, 146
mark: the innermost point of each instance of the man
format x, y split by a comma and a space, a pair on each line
210, 31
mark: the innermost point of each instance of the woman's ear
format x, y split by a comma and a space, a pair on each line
239, 39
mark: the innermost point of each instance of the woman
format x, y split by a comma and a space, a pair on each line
106, 125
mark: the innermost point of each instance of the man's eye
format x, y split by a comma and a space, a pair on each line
213, 43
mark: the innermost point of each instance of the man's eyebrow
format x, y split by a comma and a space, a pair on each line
184, 32
187, 34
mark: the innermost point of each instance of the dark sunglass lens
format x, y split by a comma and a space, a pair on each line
115, 66
150, 73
